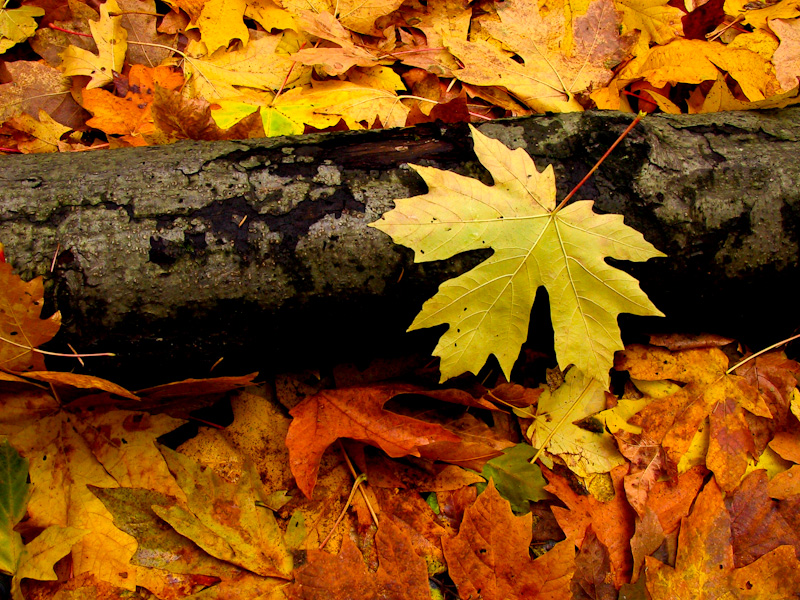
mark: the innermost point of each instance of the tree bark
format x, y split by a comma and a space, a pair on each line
259, 250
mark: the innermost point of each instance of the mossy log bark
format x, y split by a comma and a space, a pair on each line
259, 250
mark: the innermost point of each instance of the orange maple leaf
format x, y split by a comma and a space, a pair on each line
489, 557
355, 413
704, 567
402, 575
612, 521
710, 391
21, 329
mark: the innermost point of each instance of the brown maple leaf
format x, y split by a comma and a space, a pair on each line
21, 329
358, 414
756, 522
704, 568
489, 558
402, 575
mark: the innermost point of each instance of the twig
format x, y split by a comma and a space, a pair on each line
760, 352
359, 480
599, 162
363, 493
2, 339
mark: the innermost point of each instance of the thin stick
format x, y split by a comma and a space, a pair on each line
363, 493
2, 339
760, 352
55, 256
359, 480
80, 360
599, 162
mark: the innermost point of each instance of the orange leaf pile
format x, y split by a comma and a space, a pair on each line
105, 509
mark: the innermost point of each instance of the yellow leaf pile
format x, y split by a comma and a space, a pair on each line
250, 68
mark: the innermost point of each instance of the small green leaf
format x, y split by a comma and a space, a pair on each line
517, 480
14, 492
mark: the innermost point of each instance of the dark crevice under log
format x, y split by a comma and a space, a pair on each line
155, 263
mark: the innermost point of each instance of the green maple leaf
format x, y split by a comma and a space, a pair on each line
14, 493
535, 244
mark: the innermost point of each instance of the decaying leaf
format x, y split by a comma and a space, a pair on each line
224, 519
535, 244
554, 428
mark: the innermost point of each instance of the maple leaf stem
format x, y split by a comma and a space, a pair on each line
760, 352
51, 26
520, 412
2, 339
599, 162
359, 480
561, 422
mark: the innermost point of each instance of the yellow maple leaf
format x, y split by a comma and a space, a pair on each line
655, 19
41, 554
220, 22
695, 61
46, 132
112, 43
553, 429
535, 244
334, 61
17, 25
269, 15
758, 18
720, 98
258, 65
550, 75
356, 15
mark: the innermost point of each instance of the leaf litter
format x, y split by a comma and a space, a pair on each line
680, 475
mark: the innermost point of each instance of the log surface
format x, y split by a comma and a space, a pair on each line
259, 250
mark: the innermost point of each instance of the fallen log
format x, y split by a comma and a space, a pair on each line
259, 251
